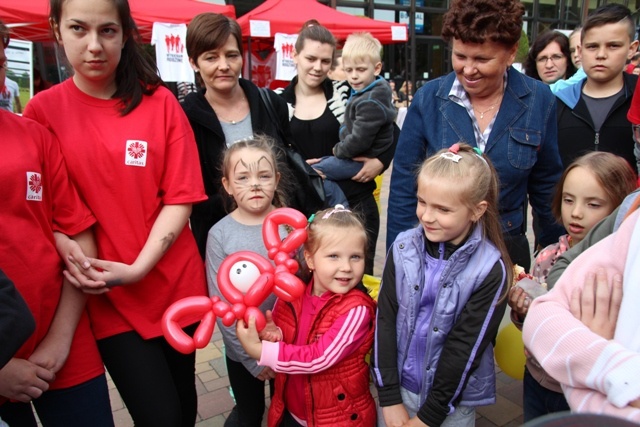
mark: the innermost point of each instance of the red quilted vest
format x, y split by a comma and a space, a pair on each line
338, 396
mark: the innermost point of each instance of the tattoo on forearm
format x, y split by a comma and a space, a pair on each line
167, 241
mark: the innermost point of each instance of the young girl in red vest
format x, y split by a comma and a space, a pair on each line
322, 377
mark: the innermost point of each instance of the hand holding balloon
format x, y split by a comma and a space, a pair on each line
270, 332
248, 336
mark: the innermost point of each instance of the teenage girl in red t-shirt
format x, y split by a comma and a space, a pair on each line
132, 155
58, 367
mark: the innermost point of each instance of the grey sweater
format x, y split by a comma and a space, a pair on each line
226, 237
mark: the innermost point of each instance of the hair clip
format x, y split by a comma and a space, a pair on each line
337, 208
311, 218
454, 148
451, 156
478, 153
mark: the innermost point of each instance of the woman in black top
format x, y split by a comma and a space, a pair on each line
226, 109
317, 110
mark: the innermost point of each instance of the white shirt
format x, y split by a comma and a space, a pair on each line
171, 52
284, 47
8, 94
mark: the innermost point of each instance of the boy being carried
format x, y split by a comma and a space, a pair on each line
592, 116
368, 123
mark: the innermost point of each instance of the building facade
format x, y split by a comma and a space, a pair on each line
426, 56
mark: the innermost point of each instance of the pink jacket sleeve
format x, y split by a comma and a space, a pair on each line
579, 359
583, 400
346, 335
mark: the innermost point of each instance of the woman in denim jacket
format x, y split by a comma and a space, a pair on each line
487, 104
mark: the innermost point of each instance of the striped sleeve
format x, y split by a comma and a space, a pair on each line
346, 335
590, 401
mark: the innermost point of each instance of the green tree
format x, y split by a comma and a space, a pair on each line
523, 47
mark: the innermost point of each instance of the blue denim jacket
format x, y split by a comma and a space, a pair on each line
523, 147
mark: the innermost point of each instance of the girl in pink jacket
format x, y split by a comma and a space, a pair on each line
586, 335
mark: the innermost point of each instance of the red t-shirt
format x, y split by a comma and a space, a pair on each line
37, 198
126, 168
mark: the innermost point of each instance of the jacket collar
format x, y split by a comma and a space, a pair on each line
369, 86
451, 251
289, 93
511, 108
572, 94
200, 111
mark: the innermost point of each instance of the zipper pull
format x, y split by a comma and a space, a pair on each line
597, 141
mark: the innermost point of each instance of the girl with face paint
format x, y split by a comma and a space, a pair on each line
250, 179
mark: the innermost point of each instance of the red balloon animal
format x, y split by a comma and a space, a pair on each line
245, 279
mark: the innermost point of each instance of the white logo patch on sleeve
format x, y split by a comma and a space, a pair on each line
135, 153
34, 186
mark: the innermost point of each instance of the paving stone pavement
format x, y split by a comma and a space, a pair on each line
215, 402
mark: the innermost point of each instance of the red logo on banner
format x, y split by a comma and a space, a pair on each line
173, 44
287, 50
261, 75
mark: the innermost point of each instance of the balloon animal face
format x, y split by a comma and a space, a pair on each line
245, 279
243, 274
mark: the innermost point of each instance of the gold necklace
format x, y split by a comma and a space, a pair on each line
232, 122
482, 113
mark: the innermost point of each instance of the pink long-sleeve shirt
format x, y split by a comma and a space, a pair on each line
346, 335
597, 375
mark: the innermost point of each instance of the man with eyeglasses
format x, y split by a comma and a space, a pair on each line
592, 115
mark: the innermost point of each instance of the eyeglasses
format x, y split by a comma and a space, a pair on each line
5, 40
554, 58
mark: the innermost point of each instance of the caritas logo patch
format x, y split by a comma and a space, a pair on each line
135, 153
34, 186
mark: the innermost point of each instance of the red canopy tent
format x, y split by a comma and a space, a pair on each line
28, 19
287, 16
146, 12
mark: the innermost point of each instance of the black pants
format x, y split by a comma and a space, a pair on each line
538, 400
249, 394
156, 382
518, 248
368, 209
83, 405
289, 421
